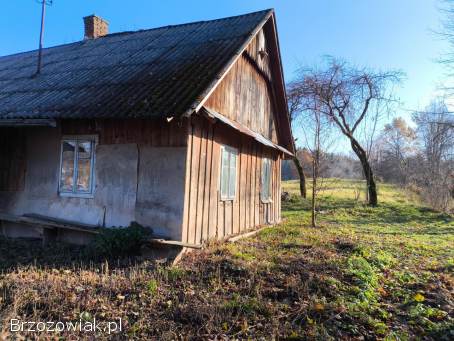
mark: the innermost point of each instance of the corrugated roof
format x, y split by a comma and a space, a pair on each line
150, 73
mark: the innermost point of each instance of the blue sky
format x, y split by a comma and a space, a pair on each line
384, 34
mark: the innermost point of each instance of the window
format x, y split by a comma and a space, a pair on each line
76, 170
266, 180
228, 172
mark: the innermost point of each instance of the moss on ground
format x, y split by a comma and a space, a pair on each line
365, 273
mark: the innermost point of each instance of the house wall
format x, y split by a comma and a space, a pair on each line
139, 175
245, 94
206, 216
12, 159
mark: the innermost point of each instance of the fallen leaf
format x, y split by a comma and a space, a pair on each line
319, 307
419, 297
382, 291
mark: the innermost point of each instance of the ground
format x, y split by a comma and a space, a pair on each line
364, 273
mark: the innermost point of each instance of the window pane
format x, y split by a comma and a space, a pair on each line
228, 173
224, 173
265, 170
263, 176
232, 175
269, 180
266, 177
67, 166
83, 175
84, 150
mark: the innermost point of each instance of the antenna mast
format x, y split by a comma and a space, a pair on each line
44, 3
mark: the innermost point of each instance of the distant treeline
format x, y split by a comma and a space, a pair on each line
332, 166
419, 157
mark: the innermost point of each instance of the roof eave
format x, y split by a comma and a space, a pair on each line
28, 123
203, 97
244, 130
198, 104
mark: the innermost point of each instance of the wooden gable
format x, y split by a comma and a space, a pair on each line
247, 93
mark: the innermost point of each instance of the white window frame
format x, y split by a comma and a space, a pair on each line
231, 151
75, 193
266, 197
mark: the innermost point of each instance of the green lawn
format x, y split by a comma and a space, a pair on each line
364, 273
396, 260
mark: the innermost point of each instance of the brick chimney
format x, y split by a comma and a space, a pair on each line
95, 27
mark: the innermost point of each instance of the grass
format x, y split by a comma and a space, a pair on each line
364, 273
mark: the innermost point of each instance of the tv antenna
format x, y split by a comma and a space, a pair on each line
44, 3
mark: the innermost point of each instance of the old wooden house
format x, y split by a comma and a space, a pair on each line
179, 128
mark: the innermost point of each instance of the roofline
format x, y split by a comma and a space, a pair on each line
268, 23
199, 103
131, 32
279, 57
28, 123
203, 97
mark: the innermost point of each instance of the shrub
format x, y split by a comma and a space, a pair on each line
120, 242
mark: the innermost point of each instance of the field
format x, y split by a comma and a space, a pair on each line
364, 273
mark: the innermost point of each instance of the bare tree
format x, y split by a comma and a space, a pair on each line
447, 32
315, 166
436, 170
346, 96
294, 100
395, 147
317, 132
318, 128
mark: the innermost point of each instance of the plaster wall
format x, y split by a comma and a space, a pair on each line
132, 183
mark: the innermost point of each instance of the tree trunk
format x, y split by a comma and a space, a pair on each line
301, 175
367, 170
314, 193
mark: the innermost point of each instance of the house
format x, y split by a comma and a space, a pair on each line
180, 128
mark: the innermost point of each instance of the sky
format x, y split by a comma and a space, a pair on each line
382, 34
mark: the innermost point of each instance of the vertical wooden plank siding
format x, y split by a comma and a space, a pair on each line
214, 174
194, 183
156, 133
209, 217
256, 193
207, 186
187, 186
201, 181
244, 96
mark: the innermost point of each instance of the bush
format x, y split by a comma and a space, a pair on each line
120, 242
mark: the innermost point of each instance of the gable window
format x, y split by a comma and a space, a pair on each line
76, 167
266, 180
229, 157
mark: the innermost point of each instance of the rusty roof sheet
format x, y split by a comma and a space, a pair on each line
160, 72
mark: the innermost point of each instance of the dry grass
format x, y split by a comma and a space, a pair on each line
384, 273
